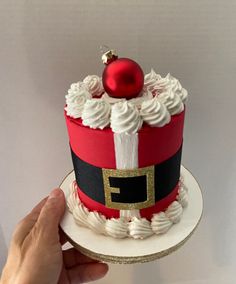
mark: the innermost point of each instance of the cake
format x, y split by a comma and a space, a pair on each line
126, 134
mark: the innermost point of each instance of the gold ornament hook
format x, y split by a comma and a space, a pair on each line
108, 55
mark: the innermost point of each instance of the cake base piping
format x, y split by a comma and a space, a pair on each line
137, 228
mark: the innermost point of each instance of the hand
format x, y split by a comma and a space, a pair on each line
35, 253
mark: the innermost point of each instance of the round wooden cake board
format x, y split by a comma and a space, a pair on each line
108, 249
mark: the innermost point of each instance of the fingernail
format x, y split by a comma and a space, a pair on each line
55, 193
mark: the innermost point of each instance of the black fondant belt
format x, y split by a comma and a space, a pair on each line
128, 189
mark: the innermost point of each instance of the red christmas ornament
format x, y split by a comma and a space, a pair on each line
122, 77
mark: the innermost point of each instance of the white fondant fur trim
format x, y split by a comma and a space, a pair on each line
126, 152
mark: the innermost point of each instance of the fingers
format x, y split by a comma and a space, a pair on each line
73, 257
87, 272
51, 214
25, 226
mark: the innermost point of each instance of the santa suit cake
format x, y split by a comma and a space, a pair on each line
126, 134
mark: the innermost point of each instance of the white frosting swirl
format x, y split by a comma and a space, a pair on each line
183, 197
174, 212
125, 118
116, 228
80, 214
163, 84
172, 102
96, 113
97, 222
76, 98
177, 88
160, 223
111, 100
72, 200
94, 85
157, 84
150, 80
155, 113
183, 95
145, 95
140, 228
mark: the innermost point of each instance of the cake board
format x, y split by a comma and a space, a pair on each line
128, 250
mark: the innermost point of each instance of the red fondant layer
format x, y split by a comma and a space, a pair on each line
96, 147
160, 205
157, 144
113, 213
93, 146
93, 205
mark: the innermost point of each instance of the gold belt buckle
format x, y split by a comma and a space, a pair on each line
146, 171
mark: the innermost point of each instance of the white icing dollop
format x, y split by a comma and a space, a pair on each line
145, 95
125, 118
174, 212
96, 113
157, 84
172, 102
73, 199
177, 88
160, 223
111, 100
80, 214
94, 85
97, 222
140, 228
150, 80
116, 228
163, 84
155, 113
76, 98
183, 197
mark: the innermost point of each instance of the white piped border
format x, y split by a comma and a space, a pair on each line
137, 228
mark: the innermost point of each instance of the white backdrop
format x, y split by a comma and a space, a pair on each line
46, 45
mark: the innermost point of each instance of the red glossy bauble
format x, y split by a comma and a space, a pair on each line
123, 78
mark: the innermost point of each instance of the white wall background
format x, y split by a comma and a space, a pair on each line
46, 45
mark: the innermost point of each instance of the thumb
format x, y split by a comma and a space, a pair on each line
25, 226
51, 215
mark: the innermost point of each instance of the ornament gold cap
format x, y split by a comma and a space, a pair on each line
109, 56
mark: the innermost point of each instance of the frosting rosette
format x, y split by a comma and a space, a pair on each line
155, 83
96, 113
160, 223
150, 80
125, 118
75, 99
160, 98
111, 100
140, 228
94, 85
174, 212
116, 228
96, 222
144, 96
172, 101
154, 112
177, 88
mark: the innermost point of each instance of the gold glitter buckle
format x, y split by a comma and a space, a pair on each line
146, 171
